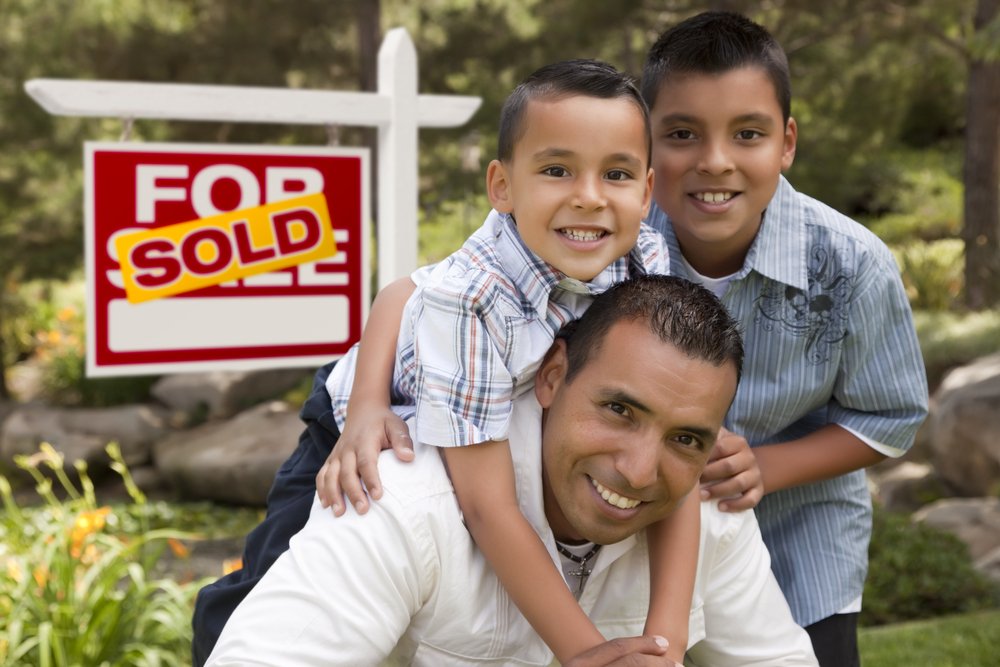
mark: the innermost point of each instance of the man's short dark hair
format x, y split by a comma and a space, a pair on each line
678, 311
715, 43
567, 78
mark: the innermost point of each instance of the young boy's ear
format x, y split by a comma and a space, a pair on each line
647, 198
788, 151
498, 187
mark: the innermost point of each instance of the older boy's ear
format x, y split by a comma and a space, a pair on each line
498, 187
551, 373
788, 151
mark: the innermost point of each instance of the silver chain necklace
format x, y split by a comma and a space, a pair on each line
581, 572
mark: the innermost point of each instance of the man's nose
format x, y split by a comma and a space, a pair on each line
588, 193
638, 461
715, 158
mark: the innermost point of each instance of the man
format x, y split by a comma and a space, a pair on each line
626, 408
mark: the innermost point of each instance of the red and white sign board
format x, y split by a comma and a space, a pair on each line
187, 212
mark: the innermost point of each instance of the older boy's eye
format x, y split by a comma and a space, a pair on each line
680, 134
618, 175
748, 135
557, 172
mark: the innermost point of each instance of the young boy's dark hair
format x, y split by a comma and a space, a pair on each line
590, 78
715, 43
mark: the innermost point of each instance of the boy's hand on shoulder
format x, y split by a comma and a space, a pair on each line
732, 473
354, 459
626, 652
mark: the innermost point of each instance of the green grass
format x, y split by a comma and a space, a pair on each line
968, 640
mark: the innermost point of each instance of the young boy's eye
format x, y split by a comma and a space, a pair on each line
557, 172
748, 135
618, 175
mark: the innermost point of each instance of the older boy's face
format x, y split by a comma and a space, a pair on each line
627, 439
578, 183
719, 146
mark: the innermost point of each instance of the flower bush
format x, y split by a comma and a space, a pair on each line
75, 577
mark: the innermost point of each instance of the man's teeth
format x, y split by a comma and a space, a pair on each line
713, 197
613, 498
582, 234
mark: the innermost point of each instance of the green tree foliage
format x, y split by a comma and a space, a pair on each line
875, 82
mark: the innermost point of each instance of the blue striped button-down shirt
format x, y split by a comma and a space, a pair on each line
476, 329
829, 338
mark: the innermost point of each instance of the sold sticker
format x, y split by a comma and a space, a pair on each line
191, 255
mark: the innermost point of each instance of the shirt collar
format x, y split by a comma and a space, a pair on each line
536, 278
777, 252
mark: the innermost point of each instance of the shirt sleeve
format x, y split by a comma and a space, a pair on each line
881, 390
461, 340
342, 595
747, 620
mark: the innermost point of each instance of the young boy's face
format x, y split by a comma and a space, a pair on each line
578, 183
719, 146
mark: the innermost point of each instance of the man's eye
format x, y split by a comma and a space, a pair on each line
557, 172
618, 175
618, 408
687, 441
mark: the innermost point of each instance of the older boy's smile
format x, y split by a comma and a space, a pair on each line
578, 183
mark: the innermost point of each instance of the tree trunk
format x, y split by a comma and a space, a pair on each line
981, 229
4, 389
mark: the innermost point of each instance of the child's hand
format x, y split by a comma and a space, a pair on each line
354, 459
732, 473
626, 652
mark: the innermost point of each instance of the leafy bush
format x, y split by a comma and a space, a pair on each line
75, 584
933, 272
916, 571
951, 339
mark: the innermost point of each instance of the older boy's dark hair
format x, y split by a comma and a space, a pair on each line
714, 43
567, 78
678, 311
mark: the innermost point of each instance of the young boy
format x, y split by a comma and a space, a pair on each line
570, 188
833, 380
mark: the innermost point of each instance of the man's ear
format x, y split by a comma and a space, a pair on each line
788, 149
498, 187
551, 374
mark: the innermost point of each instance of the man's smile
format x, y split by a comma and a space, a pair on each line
612, 498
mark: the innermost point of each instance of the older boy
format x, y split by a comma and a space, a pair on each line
834, 380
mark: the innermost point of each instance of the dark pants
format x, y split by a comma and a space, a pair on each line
835, 640
288, 505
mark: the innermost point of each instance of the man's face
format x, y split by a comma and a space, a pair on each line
626, 440
578, 182
719, 146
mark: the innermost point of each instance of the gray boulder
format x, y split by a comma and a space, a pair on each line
82, 433
965, 427
224, 393
975, 521
231, 461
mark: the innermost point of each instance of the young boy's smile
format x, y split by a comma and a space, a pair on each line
719, 146
579, 182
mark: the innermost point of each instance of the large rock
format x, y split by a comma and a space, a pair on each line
82, 433
232, 461
224, 393
965, 427
975, 521
907, 486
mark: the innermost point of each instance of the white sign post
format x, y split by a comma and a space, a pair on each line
395, 109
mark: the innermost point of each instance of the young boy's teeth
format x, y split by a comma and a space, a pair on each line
621, 502
583, 234
713, 197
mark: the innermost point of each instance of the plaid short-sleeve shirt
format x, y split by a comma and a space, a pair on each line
475, 331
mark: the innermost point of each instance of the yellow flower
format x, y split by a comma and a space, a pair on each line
86, 523
41, 575
14, 570
231, 565
178, 547
66, 314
